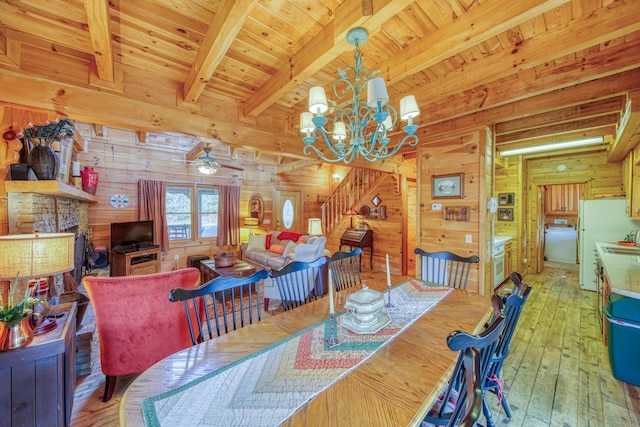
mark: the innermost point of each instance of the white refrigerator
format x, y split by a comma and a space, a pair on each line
600, 220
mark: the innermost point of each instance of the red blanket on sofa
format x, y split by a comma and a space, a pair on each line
289, 235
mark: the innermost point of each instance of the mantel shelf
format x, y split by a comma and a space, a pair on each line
50, 188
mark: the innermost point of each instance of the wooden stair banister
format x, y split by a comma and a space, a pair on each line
355, 185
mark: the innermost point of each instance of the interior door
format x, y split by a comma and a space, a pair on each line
288, 212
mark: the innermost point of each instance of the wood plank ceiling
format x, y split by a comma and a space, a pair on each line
239, 71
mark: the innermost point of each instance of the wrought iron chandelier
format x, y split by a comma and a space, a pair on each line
359, 128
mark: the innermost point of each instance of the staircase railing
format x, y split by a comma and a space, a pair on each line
355, 185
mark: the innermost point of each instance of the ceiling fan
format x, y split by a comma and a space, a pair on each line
207, 164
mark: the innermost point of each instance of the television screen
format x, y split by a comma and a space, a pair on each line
131, 234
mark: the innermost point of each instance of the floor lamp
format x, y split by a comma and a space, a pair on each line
36, 255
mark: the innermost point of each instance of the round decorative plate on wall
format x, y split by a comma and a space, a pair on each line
119, 201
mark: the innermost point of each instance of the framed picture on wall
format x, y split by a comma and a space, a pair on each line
505, 214
447, 186
505, 199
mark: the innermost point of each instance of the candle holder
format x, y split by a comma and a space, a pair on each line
333, 336
388, 304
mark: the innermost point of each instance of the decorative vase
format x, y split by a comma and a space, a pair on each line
20, 335
89, 180
44, 162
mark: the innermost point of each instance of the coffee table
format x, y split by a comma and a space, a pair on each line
209, 271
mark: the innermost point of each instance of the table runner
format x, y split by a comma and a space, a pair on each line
267, 387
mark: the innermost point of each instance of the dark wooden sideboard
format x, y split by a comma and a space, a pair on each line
38, 381
358, 239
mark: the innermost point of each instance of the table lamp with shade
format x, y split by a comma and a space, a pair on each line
36, 255
315, 227
250, 223
351, 212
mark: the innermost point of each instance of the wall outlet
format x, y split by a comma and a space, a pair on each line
524, 261
436, 206
176, 257
469, 239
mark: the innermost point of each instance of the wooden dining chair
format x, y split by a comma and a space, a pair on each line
232, 301
510, 307
445, 268
344, 268
460, 401
299, 282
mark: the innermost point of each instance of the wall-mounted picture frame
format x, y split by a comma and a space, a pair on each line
505, 199
383, 212
457, 213
505, 214
447, 186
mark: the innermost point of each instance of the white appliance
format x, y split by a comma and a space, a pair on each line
560, 243
498, 262
600, 220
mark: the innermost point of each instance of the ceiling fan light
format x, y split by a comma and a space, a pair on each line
582, 142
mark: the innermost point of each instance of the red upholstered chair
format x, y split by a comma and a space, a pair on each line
137, 324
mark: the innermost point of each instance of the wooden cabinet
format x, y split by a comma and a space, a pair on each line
358, 239
38, 381
563, 199
144, 261
508, 257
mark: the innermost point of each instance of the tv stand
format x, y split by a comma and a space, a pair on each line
143, 261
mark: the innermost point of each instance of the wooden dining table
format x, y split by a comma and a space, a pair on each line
396, 386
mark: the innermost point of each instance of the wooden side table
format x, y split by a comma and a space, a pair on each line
38, 381
209, 271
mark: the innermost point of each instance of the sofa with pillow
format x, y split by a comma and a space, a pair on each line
279, 248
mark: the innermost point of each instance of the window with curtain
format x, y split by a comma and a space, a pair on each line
192, 211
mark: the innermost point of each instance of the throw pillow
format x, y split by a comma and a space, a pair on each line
268, 244
257, 241
279, 249
289, 249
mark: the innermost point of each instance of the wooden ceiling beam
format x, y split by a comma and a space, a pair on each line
9, 49
473, 27
221, 33
609, 121
614, 20
299, 164
562, 115
99, 25
323, 48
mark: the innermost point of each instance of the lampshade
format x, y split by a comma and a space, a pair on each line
351, 211
317, 100
39, 254
376, 91
339, 131
315, 227
250, 223
306, 125
207, 169
408, 107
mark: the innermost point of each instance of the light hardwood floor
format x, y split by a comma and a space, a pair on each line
557, 374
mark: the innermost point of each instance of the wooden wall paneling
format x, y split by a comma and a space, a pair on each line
458, 153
